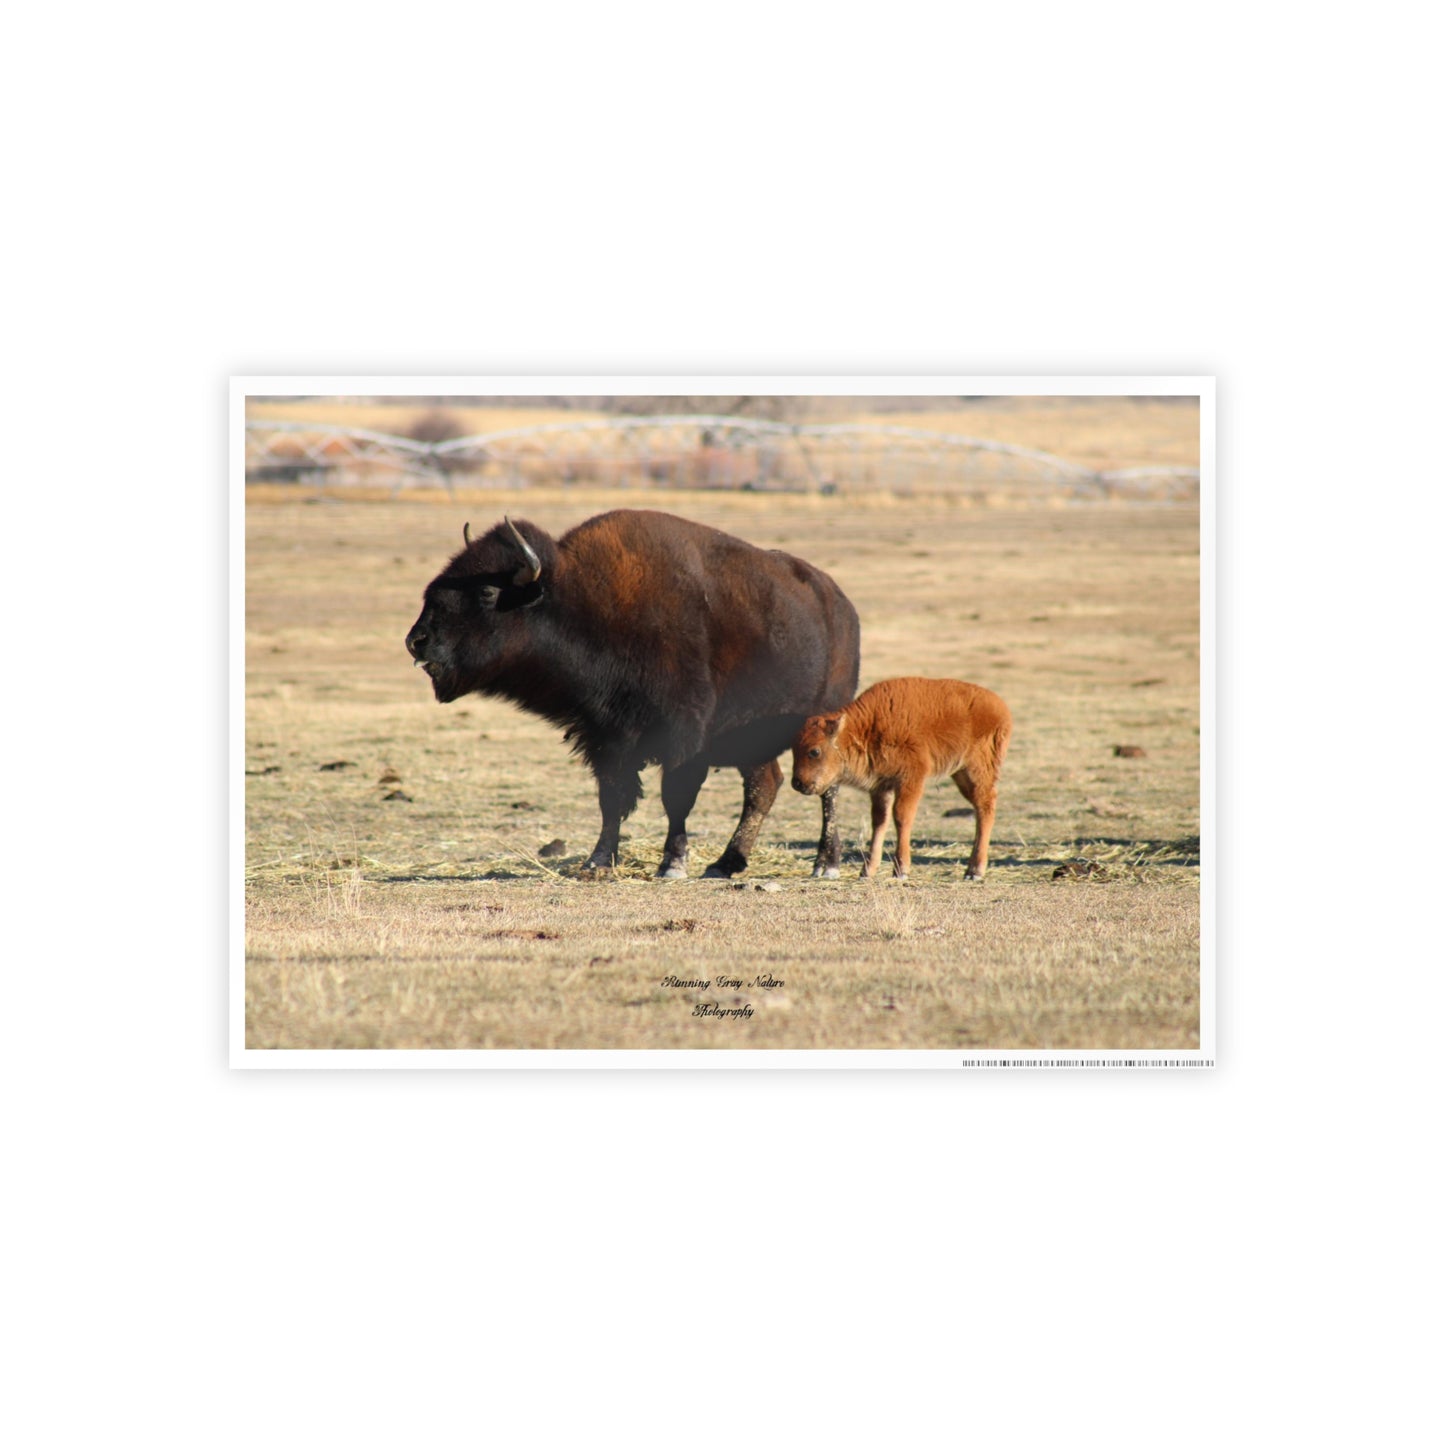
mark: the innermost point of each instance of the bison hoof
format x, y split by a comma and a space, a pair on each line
673, 870
728, 865
822, 872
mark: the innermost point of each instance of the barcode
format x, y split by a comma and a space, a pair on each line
1087, 1063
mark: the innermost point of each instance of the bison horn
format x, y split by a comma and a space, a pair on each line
467, 533
533, 569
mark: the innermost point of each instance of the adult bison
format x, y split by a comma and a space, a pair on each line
649, 639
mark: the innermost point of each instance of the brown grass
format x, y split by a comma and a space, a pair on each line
397, 418
430, 920
1097, 432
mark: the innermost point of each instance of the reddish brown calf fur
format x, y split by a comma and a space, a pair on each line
896, 736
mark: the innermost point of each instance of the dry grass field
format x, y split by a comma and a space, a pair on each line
412, 875
1096, 432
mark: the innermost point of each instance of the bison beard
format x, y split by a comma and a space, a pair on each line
649, 639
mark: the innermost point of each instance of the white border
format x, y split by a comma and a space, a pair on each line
981, 1062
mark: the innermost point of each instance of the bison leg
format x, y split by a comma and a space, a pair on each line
760, 787
618, 789
830, 845
904, 811
679, 792
984, 797
882, 801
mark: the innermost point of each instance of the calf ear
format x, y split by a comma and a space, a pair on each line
833, 725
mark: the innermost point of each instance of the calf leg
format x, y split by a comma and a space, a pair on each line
618, 789
760, 787
904, 810
830, 845
882, 801
983, 794
679, 792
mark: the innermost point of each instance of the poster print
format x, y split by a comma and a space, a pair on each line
699, 723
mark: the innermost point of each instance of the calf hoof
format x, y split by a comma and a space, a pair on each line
973, 876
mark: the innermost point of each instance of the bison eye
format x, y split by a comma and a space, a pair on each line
488, 595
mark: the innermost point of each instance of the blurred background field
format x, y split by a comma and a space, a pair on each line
412, 871
994, 449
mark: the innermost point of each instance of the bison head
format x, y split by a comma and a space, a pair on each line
467, 616
816, 759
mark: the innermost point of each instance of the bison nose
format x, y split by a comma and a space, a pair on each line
416, 643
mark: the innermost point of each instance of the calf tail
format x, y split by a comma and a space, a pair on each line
1001, 735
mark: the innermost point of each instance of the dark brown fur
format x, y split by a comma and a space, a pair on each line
648, 639
895, 737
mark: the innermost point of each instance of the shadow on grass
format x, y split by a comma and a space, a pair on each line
495, 875
562, 870
1156, 852
1159, 852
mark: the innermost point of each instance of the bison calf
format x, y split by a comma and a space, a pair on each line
893, 739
